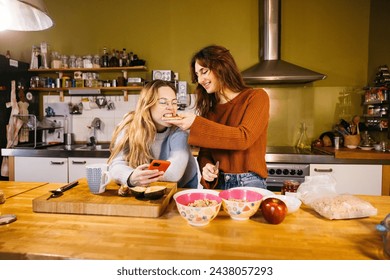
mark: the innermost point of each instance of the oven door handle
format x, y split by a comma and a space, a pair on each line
326, 170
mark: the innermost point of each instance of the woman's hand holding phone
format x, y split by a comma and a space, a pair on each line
143, 176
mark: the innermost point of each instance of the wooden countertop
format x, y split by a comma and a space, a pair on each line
346, 153
11, 189
302, 235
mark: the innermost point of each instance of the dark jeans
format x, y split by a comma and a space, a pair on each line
232, 180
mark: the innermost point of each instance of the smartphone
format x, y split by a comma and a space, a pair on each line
161, 165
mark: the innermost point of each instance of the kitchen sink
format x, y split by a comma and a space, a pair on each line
103, 147
99, 147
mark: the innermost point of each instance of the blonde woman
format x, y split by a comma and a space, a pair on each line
143, 136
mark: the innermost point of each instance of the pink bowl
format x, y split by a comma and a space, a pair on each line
240, 204
197, 216
237, 193
185, 199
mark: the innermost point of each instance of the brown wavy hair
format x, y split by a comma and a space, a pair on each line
138, 128
220, 61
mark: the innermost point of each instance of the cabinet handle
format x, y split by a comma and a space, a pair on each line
57, 162
79, 162
323, 170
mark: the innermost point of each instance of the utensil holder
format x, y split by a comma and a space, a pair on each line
352, 140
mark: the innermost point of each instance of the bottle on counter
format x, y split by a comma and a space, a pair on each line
303, 140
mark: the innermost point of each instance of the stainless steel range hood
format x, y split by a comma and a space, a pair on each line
271, 69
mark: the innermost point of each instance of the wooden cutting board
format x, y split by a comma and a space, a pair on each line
79, 200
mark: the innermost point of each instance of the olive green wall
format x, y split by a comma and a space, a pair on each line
379, 51
327, 36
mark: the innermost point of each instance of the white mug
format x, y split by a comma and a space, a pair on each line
98, 177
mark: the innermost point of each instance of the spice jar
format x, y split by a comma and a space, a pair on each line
65, 61
96, 61
79, 62
87, 61
370, 110
72, 61
290, 186
55, 60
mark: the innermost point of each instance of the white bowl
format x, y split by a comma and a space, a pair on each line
351, 146
366, 148
292, 203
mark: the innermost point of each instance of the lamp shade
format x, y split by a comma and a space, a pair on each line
24, 15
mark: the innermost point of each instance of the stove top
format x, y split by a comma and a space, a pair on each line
287, 150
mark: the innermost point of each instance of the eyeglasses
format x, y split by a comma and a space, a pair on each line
165, 102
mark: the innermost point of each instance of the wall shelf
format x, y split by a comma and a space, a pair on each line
60, 72
101, 69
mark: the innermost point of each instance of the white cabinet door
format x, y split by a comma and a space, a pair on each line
353, 179
77, 166
41, 169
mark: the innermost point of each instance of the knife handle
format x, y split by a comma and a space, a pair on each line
69, 186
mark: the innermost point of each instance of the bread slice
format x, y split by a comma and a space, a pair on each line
171, 117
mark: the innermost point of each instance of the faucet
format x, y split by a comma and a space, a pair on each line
95, 125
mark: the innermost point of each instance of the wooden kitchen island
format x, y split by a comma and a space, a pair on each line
303, 235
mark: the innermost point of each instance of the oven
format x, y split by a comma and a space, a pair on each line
279, 172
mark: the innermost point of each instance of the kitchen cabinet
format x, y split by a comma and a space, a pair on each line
48, 169
62, 72
77, 166
353, 179
41, 169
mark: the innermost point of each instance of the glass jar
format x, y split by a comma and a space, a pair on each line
87, 61
65, 61
290, 186
34, 82
79, 62
384, 227
96, 61
72, 61
56, 60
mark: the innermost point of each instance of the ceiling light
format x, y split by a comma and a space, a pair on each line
24, 15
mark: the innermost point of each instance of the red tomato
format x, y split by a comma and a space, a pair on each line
274, 210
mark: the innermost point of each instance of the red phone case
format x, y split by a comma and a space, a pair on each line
161, 165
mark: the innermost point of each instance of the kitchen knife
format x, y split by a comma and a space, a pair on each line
58, 192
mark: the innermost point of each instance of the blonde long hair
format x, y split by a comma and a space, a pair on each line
138, 128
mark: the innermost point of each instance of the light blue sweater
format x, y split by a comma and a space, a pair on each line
173, 146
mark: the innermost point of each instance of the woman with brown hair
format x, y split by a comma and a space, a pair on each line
143, 136
230, 124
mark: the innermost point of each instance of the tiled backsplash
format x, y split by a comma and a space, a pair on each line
79, 123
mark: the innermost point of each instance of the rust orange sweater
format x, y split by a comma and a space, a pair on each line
235, 134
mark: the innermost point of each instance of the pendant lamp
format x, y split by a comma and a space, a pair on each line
24, 15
